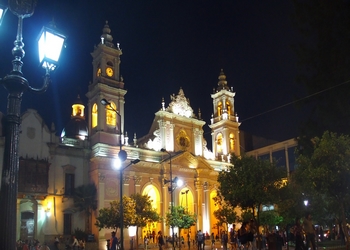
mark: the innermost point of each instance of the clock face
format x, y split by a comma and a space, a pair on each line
109, 72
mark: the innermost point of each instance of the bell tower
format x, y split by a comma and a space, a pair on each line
224, 122
105, 125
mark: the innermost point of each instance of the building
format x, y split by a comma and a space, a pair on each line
52, 165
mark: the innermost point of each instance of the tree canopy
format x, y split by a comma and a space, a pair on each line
250, 183
144, 211
324, 175
109, 217
85, 201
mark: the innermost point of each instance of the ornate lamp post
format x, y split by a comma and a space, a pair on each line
171, 189
50, 46
171, 194
122, 155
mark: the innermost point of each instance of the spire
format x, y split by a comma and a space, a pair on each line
222, 84
106, 37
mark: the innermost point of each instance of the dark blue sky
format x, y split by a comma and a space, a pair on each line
167, 45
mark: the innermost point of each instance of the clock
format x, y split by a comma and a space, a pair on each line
109, 71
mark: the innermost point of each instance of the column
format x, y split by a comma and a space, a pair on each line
199, 194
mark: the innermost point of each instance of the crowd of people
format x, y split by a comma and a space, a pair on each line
70, 243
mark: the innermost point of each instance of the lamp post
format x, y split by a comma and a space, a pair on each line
121, 208
171, 194
16, 84
122, 155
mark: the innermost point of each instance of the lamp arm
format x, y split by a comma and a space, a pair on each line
44, 87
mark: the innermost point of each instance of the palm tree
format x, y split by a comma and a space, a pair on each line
85, 201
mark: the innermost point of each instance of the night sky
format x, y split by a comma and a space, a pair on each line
166, 45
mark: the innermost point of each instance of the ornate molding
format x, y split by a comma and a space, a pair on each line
137, 180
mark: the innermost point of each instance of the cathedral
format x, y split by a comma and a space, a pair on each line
53, 163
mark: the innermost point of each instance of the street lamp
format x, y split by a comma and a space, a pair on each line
3, 10
121, 201
16, 84
122, 156
171, 194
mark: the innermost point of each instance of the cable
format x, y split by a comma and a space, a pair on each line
293, 102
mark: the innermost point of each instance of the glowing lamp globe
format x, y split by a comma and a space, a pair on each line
3, 10
50, 44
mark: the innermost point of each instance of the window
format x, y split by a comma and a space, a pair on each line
94, 115
67, 224
111, 116
228, 107
219, 143
69, 184
232, 142
33, 176
219, 108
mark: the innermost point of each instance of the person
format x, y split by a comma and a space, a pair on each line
154, 236
57, 241
212, 237
113, 242
243, 234
200, 240
233, 238
252, 234
75, 243
45, 247
25, 245
298, 235
145, 241
160, 240
309, 230
67, 243
189, 240
224, 240
82, 244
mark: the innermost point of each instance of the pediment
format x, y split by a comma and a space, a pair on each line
188, 161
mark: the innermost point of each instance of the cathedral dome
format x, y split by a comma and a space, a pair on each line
76, 128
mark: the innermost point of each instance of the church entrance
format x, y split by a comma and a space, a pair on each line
27, 225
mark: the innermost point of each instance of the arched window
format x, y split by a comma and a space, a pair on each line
94, 114
219, 143
111, 116
228, 107
219, 108
232, 142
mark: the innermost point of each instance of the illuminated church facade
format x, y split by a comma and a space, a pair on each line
51, 166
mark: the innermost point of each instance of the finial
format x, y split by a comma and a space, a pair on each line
199, 114
163, 104
135, 140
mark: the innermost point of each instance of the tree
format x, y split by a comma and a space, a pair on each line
250, 183
85, 201
144, 211
225, 213
179, 217
326, 173
109, 217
